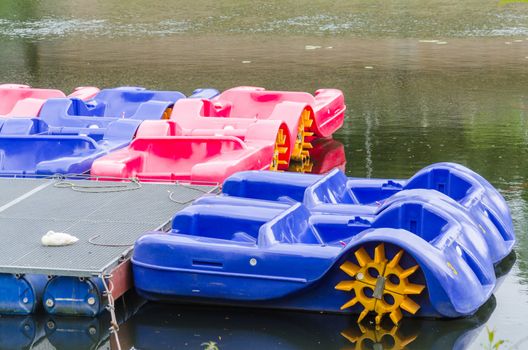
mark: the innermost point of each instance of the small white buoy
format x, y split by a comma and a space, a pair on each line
246, 62
369, 67
52, 238
312, 47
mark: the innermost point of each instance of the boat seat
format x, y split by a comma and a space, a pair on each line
413, 217
290, 227
447, 181
330, 189
23, 126
222, 221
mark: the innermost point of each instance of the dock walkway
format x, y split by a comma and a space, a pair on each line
106, 217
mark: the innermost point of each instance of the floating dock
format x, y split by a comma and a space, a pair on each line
106, 217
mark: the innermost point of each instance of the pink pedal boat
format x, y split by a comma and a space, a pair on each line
161, 152
327, 106
18, 100
306, 116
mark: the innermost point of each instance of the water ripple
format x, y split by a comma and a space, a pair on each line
357, 24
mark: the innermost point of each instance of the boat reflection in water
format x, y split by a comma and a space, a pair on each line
41, 331
20, 332
325, 155
90, 332
158, 326
162, 326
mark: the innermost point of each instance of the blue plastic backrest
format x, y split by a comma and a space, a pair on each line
447, 181
221, 222
412, 217
205, 93
55, 109
369, 191
331, 189
80, 108
124, 101
268, 185
23, 153
122, 129
291, 226
335, 228
23, 126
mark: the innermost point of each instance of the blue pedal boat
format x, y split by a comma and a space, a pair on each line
464, 189
109, 104
291, 258
28, 147
71, 133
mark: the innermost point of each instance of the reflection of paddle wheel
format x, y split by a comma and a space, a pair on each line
381, 285
377, 337
325, 155
304, 166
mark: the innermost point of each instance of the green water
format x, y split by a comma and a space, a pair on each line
462, 98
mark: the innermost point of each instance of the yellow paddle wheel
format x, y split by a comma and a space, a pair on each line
166, 115
280, 152
380, 285
302, 147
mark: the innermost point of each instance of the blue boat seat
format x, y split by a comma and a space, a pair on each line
23, 154
23, 126
330, 189
339, 229
267, 185
110, 104
442, 180
27, 149
239, 225
412, 217
290, 227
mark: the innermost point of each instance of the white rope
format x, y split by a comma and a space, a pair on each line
114, 326
172, 199
61, 182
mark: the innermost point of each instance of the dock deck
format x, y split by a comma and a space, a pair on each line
107, 217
